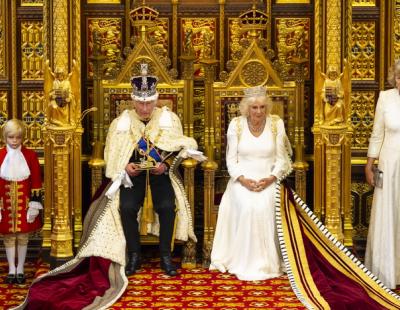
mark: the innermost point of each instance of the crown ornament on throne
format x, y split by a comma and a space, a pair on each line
144, 85
256, 91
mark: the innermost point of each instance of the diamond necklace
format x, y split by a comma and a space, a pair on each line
254, 128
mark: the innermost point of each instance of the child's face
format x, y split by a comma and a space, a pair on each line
14, 140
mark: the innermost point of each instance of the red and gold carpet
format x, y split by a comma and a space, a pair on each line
192, 289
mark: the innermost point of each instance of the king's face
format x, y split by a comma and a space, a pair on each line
145, 108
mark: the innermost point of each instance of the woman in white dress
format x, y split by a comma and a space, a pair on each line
383, 243
245, 242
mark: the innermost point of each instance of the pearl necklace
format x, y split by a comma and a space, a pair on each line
254, 128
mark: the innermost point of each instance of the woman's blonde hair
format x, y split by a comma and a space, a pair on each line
393, 72
246, 102
13, 126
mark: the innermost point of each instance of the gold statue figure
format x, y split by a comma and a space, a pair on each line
188, 45
332, 95
59, 89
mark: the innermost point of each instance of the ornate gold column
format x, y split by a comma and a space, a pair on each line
333, 139
189, 249
209, 166
189, 165
62, 130
58, 143
333, 32
221, 34
332, 126
300, 165
187, 76
174, 33
96, 162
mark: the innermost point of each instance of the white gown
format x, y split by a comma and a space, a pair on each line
383, 244
245, 242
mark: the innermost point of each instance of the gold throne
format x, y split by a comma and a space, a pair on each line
113, 95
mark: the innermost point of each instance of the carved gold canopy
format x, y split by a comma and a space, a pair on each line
254, 68
117, 92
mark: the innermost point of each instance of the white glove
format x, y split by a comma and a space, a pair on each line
195, 154
33, 211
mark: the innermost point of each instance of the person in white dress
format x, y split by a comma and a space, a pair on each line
383, 243
245, 242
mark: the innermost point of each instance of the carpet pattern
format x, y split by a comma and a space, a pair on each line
193, 289
202, 289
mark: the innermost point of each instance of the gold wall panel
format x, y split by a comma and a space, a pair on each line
3, 112
31, 2
396, 29
236, 33
103, 1
362, 117
361, 200
363, 3
110, 40
159, 34
292, 1
33, 117
363, 50
203, 38
32, 45
293, 39
3, 32
198, 116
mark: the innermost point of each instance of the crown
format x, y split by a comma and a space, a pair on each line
143, 15
144, 86
253, 19
256, 91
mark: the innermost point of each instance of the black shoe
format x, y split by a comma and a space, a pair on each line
20, 279
133, 264
10, 279
168, 266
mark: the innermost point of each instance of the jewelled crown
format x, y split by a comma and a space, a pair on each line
254, 19
144, 86
256, 91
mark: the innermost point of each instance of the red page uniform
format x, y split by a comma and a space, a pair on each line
15, 196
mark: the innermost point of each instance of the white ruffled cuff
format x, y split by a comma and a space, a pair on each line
195, 154
35, 205
122, 179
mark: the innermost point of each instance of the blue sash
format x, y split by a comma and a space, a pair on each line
153, 152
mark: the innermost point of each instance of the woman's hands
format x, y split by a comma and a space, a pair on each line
255, 186
265, 182
369, 172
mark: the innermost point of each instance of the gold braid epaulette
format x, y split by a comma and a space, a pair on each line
274, 120
239, 128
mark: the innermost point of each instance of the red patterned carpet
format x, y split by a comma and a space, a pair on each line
192, 289
201, 289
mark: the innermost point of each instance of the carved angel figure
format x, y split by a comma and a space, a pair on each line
59, 89
332, 97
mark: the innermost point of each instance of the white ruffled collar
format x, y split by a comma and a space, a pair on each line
14, 166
